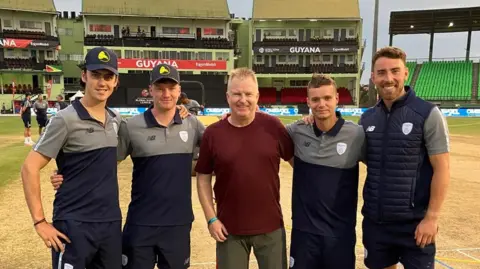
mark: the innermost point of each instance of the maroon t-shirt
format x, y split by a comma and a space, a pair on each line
246, 162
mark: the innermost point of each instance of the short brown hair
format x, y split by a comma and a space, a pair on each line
319, 80
390, 52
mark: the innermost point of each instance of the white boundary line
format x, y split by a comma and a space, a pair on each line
459, 250
470, 256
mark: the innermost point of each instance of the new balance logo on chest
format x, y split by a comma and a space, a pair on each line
370, 129
151, 138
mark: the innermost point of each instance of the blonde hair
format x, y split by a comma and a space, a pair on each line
242, 73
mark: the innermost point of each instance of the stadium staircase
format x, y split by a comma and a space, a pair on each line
475, 84
414, 75
445, 81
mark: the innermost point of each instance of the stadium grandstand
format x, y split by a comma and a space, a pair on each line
194, 36
290, 44
29, 46
446, 82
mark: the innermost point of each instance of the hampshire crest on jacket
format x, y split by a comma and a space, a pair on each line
341, 148
407, 128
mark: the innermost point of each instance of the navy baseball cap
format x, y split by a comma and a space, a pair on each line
164, 71
101, 58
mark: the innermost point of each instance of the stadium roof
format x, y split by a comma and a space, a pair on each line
305, 9
204, 9
438, 20
44, 6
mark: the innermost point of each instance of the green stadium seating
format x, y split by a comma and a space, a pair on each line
411, 69
448, 80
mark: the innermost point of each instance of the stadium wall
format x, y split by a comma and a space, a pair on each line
71, 39
244, 43
17, 16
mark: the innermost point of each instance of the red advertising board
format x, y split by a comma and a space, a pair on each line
27, 43
179, 64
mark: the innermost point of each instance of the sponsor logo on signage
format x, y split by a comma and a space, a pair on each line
179, 64
340, 49
305, 50
26, 43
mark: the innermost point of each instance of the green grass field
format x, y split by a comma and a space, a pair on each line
14, 151
458, 241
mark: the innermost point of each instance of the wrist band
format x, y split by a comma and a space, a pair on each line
40, 221
212, 220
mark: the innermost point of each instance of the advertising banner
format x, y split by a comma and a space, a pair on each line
179, 64
348, 112
302, 49
11, 43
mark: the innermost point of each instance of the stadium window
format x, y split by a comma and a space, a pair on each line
118, 53
204, 56
10, 53
350, 58
7, 23
103, 28
185, 55
316, 59
282, 58
25, 54
55, 79
213, 31
176, 30
75, 57
351, 32
132, 54
259, 59
275, 33
31, 25
49, 54
327, 59
316, 33
222, 56
292, 33
150, 54
292, 59
328, 33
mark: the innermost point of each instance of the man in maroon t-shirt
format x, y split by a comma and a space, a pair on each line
244, 153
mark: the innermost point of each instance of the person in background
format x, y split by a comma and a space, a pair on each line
60, 103
26, 115
192, 105
40, 107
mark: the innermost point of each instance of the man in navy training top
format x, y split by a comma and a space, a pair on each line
161, 145
86, 230
407, 157
40, 107
325, 182
26, 114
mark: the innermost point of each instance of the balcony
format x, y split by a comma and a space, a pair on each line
20, 89
314, 68
158, 42
30, 35
266, 42
25, 64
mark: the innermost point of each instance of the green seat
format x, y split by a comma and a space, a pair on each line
442, 81
411, 68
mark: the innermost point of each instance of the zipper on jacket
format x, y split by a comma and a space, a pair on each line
382, 167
